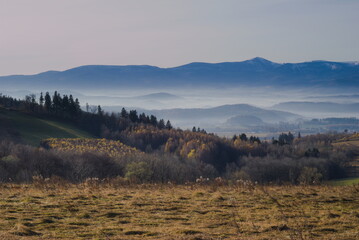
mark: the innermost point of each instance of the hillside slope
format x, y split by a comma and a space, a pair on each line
31, 130
351, 141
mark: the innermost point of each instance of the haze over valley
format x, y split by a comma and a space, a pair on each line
255, 95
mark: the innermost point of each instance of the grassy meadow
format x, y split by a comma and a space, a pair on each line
109, 210
32, 129
344, 182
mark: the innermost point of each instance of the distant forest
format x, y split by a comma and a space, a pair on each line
168, 154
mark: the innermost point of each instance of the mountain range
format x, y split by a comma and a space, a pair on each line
254, 72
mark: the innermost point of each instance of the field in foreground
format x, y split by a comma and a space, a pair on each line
89, 211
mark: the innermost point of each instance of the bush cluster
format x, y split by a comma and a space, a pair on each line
19, 163
183, 162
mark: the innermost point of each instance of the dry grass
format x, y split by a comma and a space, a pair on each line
81, 145
65, 211
352, 137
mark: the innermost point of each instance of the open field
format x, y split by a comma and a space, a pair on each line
344, 182
46, 210
32, 129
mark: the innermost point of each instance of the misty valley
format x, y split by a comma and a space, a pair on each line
200, 151
253, 96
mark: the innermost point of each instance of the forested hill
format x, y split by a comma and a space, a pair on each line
60, 116
254, 72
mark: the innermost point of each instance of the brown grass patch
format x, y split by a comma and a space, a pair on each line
179, 212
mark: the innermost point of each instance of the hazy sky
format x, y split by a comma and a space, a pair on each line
40, 35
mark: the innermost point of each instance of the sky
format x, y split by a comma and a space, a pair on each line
42, 35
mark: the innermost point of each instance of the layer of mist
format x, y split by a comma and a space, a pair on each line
264, 111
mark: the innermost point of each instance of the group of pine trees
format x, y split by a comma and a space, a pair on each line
285, 139
145, 119
65, 106
243, 137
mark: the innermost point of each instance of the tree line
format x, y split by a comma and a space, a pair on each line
182, 160
92, 119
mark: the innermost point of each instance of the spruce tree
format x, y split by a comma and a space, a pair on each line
41, 100
161, 124
168, 125
48, 102
124, 113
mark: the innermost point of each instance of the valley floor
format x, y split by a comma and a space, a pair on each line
91, 211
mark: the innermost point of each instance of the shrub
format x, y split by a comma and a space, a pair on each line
309, 176
138, 172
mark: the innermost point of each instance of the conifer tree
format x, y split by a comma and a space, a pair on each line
41, 100
77, 107
124, 113
153, 120
161, 124
168, 125
133, 116
99, 110
48, 102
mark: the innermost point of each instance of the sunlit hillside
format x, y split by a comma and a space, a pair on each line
31, 130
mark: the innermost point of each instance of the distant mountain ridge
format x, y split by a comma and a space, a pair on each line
254, 72
230, 114
225, 111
